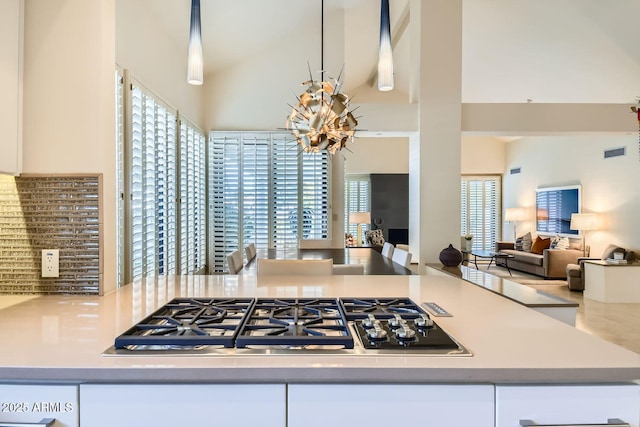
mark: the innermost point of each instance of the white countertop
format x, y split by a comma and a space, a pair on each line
62, 338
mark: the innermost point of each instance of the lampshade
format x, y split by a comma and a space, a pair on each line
515, 214
385, 54
195, 61
584, 221
360, 218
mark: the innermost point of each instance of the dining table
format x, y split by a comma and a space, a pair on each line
374, 262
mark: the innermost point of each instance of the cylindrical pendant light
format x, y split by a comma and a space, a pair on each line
195, 62
385, 55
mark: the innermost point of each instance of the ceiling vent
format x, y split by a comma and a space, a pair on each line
515, 171
615, 152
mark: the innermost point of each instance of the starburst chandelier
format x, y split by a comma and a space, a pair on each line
321, 120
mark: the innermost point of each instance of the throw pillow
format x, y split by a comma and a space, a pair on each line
563, 243
518, 244
554, 242
527, 241
540, 245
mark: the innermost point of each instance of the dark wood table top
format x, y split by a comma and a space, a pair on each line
374, 262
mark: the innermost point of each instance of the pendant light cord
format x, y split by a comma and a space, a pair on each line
322, 40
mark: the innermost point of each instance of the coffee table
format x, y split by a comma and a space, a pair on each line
492, 256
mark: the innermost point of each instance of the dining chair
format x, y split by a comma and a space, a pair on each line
315, 244
234, 260
348, 269
295, 267
387, 250
250, 251
401, 257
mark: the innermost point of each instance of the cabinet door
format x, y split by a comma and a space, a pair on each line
11, 19
32, 403
165, 405
574, 404
378, 405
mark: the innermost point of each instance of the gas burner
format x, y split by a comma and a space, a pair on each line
381, 308
295, 323
280, 325
188, 323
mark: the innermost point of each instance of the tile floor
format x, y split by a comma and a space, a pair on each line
615, 322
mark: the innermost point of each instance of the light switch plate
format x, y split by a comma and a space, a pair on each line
50, 263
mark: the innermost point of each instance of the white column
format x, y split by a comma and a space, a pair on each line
434, 183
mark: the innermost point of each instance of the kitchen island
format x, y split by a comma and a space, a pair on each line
62, 340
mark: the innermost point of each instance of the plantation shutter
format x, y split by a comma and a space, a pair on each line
152, 178
192, 199
264, 191
357, 199
480, 210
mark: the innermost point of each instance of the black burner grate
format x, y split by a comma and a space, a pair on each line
189, 322
295, 322
381, 308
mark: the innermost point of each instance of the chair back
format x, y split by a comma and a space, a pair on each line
401, 257
234, 261
295, 267
250, 251
315, 244
348, 269
387, 250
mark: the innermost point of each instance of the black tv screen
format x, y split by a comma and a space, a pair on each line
554, 206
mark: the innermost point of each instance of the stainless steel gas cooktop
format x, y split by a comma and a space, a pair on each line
259, 326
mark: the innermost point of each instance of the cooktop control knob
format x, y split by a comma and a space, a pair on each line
405, 332
395, 321
369, 321
424, 321
377, 333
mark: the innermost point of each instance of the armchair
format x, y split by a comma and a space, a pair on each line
575, 272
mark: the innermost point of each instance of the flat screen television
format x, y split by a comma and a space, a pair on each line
554, 206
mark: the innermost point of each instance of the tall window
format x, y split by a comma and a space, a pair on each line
161, 182
120, 181
193, 203
262, 190
480, 199
357, 198
152, 182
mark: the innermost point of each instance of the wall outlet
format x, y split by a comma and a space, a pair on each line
50, 263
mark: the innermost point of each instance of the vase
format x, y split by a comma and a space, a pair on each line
450, 256
468, 245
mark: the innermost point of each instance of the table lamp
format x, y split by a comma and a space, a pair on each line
584, 222
514, 215
360, 218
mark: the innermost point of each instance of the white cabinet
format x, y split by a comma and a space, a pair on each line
567, 404
11, 30
382, 405
611, 282
32, 403
170, 405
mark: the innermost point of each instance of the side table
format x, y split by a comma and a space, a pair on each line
606, 282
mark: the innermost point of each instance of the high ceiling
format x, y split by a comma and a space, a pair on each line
560, 51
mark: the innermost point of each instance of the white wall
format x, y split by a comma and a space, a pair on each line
155, 59
609, 186
482, 155
377, 155
69, 103
578, 51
